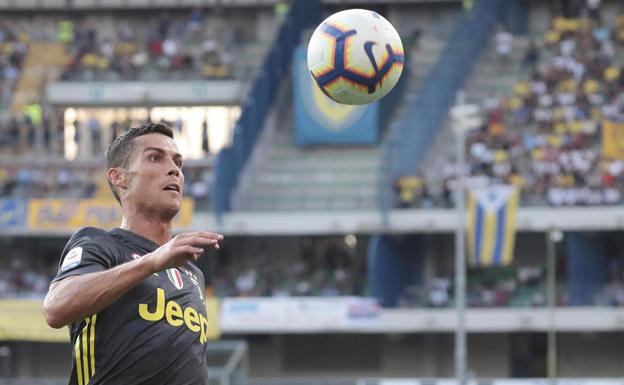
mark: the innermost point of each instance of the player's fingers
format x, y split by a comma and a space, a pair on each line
200, 240
183, 235
214, 245
194, 240
192, 250
208, 234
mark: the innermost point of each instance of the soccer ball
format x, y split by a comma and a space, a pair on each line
355, 56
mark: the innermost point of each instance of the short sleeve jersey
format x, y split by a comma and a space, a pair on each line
154, 334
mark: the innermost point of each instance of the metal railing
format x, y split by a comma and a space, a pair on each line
231, 161
234, 369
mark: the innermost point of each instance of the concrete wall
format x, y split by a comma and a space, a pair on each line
29, 359
591, 355
420, 355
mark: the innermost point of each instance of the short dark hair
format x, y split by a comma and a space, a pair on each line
118, 154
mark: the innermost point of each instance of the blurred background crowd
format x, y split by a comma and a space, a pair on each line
544, 138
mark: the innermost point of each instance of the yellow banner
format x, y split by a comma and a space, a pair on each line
66, 214
613, 140
23, 320
212, 313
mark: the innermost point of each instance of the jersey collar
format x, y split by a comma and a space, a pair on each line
135, 238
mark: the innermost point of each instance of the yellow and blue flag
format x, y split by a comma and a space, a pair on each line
492, 225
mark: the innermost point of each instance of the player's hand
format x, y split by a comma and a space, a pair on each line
181, 249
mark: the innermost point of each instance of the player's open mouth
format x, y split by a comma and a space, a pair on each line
172, 187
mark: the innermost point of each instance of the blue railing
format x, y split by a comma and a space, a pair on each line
230, 161
409, 139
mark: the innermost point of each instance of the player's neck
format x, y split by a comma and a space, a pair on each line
158, 231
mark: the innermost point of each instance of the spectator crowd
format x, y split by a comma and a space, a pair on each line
69, 181
203, 43
547, 137
489, 287
340, 272
167, 46
328, 271
22, 275
13, 47
514, 286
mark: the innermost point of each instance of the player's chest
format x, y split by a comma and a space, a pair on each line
182, 283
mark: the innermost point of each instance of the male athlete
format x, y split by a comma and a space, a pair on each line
132, 298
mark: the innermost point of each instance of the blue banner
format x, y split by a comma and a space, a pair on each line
12, 213
320, 120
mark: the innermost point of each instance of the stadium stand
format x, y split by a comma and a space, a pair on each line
332, 267
164, 48
409, 139
542, 127
230, 162
172, 45
64, 180
13, 50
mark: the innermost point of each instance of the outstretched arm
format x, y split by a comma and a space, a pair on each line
79, 296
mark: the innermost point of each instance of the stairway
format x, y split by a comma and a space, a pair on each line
43, 64
281, 176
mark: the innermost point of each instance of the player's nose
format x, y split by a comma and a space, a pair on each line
173, 169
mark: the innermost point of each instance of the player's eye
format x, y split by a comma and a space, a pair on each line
154, 157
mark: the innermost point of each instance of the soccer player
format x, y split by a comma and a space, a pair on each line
132, 298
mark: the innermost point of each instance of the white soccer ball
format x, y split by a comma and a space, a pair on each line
355, 56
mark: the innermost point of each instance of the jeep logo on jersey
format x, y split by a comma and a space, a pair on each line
175, 315
175, 278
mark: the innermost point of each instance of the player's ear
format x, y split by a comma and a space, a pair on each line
117, 177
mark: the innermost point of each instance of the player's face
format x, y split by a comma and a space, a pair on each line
156, 182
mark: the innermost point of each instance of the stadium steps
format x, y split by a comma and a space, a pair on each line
489, 79
43, 63
319, 179
423, 57
284, 177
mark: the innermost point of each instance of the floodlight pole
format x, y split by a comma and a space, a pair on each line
464, 118
552, 236
460, 257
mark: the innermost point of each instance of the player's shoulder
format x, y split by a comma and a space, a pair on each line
86, 247
92, 235
92, 232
